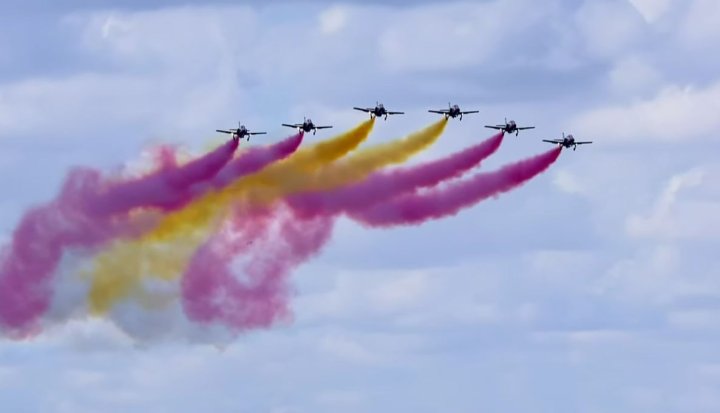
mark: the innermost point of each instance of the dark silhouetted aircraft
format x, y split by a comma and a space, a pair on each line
378, 110
567, 141
453, 111
306, 126
509, 127
240, 132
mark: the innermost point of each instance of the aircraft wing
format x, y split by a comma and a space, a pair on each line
465, 112
526, 127
441, 111
223, 131
553, 140
323, 127
363, 109
396, 113
291, 126
258, 133
582, 143
495, 127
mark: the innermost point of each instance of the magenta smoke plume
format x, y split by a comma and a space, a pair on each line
251, 161
174, 188
159, 188
438, 203
385, 185
258, 296
212, 293
28, 262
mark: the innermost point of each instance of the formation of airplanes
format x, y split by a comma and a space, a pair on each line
379, 110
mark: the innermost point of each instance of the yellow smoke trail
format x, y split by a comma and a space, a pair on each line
119, 273
261, 190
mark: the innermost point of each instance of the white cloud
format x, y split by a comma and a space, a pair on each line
159, 40
659, 275
86, 335
651, 276
338, 398
645, 398
675, 114
411, 298
585, 337
698, 398
6, 375
699, 29
695, 319
651, 10
569, 182
455, 35
400, 292
563, 269
632, 75
84, 379
80, 107
347, 349
608, 28
333, 19
677, 217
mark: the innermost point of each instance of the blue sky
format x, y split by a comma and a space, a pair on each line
594, 288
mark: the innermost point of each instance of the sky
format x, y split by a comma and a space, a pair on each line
593, 288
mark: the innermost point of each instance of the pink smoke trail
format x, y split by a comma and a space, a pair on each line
213, 294
385, 185
81, 217
156, 188
416, 208
173, 188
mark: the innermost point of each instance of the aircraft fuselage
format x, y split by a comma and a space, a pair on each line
379, 112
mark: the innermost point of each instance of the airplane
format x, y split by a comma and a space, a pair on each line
378, 110
306, 126
510, 127
453, 111
566, 141
240, 132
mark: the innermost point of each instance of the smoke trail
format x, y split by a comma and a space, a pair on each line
165, 251
72, 220
384, 185
251, 161
347, 171
117, 274
213, 294
416, 208
161, 189
206, 210
178, 189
